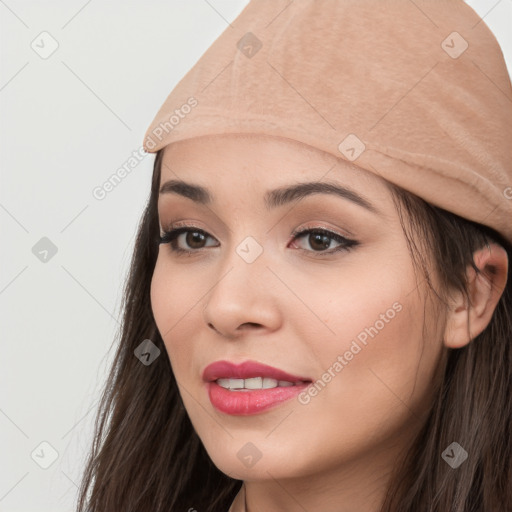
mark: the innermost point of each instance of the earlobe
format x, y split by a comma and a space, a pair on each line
485, 288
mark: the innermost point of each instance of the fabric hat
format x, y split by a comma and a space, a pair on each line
417, 92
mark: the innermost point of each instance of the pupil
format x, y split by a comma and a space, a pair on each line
194, 234
324, 240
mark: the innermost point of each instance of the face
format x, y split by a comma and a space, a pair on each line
319, 285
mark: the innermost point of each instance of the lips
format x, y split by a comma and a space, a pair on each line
250, 387
247, 370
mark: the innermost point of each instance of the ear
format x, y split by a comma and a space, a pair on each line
484, 289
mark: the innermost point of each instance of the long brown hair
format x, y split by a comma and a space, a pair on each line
147, 457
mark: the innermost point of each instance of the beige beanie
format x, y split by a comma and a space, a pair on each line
416, 91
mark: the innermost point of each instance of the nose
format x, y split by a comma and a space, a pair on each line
243, 298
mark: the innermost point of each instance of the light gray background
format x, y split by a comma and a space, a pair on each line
67, 123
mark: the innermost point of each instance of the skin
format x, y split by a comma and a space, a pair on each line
298, 310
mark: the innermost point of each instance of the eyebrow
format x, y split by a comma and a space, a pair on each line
273, 198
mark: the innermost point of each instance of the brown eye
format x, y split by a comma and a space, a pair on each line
320, 240
194, 239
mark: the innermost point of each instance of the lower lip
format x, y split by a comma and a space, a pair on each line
245, 403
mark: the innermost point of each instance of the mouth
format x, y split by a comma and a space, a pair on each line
255, 383
250, 387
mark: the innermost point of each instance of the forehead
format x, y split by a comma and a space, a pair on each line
216, 160
260, 173
230, 174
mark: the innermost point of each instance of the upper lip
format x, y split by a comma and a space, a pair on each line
247, 370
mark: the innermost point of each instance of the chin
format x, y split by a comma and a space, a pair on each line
244, 461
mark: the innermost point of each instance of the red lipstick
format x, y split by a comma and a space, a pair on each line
250, 387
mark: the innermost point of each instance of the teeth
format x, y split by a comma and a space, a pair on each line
269, 383
253, 383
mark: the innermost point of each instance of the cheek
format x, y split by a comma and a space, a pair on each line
375, 369
175, 302
378, 319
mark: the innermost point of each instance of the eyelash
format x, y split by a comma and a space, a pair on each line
169, 237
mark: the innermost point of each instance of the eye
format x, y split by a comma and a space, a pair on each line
320, 240
194, 238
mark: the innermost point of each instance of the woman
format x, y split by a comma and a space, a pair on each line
323, 266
